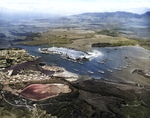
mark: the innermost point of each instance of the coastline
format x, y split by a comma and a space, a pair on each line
77, 40
115, 96
109, 93
120, 74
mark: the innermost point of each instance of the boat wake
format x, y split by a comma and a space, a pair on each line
71, 54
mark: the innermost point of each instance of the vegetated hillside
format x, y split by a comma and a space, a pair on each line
135, 25
128, 24
147, 14
112, 14
107, 16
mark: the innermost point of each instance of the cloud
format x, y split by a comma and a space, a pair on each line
69, 7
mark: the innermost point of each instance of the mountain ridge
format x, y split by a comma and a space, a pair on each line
117, 14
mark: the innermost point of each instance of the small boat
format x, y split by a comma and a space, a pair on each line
110, 70
105, 60
80, 63
90, 72
101, 62
76, 70
63, 57
108, 51
118, 69
102, 72
124, 67
74, 61
125, 57
68, 59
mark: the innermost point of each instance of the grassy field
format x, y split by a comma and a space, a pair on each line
143, 43
58, 36
136, 111
85, 44
108, 33
83, 39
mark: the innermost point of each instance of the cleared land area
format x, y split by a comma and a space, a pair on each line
77, 39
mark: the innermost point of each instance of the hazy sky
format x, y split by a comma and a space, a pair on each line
69, 7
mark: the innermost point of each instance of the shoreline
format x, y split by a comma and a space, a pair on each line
79, 41
135, 65
112, 95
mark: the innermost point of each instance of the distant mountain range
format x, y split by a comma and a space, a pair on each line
85, 16
127, 23
137, 25
106, 17
118, 14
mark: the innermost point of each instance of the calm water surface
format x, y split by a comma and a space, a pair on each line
114, 55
